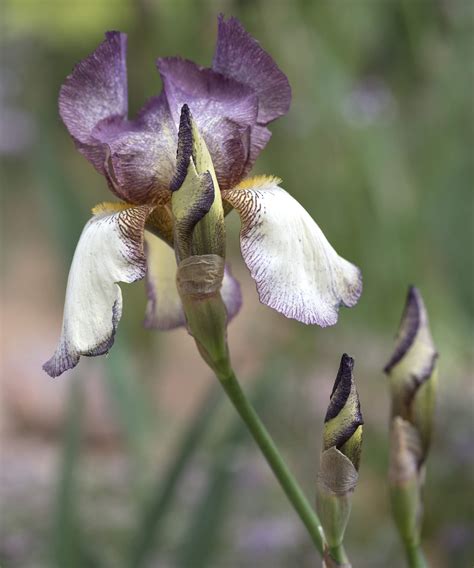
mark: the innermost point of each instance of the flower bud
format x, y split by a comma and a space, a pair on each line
199, 241
343, 422
412, 370
196, 201
340, 457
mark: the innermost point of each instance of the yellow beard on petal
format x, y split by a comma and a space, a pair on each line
109, 207
257, 182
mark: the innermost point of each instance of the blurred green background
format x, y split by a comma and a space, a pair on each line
136, 459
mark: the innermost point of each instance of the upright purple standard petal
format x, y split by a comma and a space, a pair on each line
94, 93
224, 110
231, 103
142, 159
239, 56
137, 157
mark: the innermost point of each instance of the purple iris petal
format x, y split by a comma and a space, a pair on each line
240, 56
143, 158
224, 110
96, 89
231, 103
137, 157
259, 137
94, 93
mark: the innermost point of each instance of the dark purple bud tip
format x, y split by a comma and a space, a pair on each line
185, 148
343, 417
342, 387
413, 316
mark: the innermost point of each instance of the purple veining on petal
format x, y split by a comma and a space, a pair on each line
240, 56
143, 158
137, 157
110, 250
224, 110
62, 360
210, 91
296, 270
96, 90
259, 137
232, 103
67, 357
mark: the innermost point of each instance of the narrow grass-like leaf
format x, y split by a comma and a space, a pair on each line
202, 537
65, 541
150, 525
133, 409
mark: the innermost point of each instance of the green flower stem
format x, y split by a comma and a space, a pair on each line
415, 557
338, 554
272, 455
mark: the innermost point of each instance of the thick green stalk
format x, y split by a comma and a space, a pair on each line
338, 555
272, 455
415, 557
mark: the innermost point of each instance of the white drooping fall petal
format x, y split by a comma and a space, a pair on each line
164, 309
297, 271
110, 250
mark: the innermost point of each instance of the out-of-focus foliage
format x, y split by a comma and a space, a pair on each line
377, 147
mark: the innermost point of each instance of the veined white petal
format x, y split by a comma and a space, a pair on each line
296, 270
110, 250
164, 309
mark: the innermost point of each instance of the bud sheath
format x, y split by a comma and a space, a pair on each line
199, 240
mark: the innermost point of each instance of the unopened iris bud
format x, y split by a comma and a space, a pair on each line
199, 240
340, 458
412, 370
343, 422
196, 201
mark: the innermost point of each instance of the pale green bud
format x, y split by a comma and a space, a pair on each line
196, 201
343, 422
199, 241
340, 457
412, 370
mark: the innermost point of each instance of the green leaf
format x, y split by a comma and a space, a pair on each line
68, 546
202, 537
150, 524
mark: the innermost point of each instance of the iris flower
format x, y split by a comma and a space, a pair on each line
177, 169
